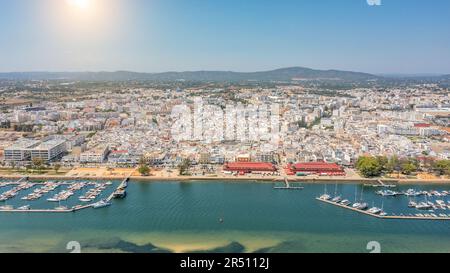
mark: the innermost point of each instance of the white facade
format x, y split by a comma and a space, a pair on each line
20, 151
97, 155
49, 149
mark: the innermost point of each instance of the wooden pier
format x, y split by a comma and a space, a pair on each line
392, 217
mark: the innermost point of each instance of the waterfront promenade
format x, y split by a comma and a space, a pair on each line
246, 178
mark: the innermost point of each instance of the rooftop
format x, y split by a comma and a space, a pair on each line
23, 144
49, 144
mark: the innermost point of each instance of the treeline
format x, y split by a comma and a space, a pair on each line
370, 166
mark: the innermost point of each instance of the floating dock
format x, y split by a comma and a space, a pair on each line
74, 209
392, 217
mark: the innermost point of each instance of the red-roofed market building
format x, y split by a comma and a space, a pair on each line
249, 167
318, 168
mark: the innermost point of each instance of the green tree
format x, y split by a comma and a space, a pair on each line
393, 164
408, 168
383, 161
38, 163
184, 166
442, 167
144, 170
369, 166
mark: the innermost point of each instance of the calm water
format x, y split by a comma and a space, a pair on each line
179, 217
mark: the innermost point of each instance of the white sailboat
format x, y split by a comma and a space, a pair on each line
336, 199
325, 196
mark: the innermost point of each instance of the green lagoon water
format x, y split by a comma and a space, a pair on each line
184, 217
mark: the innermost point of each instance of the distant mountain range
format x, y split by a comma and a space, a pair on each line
284, 74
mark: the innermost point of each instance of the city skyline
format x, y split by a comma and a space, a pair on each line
157, 36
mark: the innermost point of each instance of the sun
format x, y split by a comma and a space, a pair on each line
80, 4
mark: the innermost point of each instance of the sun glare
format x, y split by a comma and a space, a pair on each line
80, 4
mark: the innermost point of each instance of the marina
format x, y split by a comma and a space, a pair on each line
379, 214
362, 207
72, 196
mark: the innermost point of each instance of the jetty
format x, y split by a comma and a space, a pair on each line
23, 179
288, 186
392, 217
121, 189
380, 184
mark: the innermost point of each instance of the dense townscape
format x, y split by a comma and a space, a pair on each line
107, 124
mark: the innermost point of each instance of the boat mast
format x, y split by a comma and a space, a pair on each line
362, 192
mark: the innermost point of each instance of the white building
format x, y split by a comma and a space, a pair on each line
20, 151
96, 155
49, 149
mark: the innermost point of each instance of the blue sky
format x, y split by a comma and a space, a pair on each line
400, 36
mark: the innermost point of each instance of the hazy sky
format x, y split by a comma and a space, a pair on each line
400, 36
